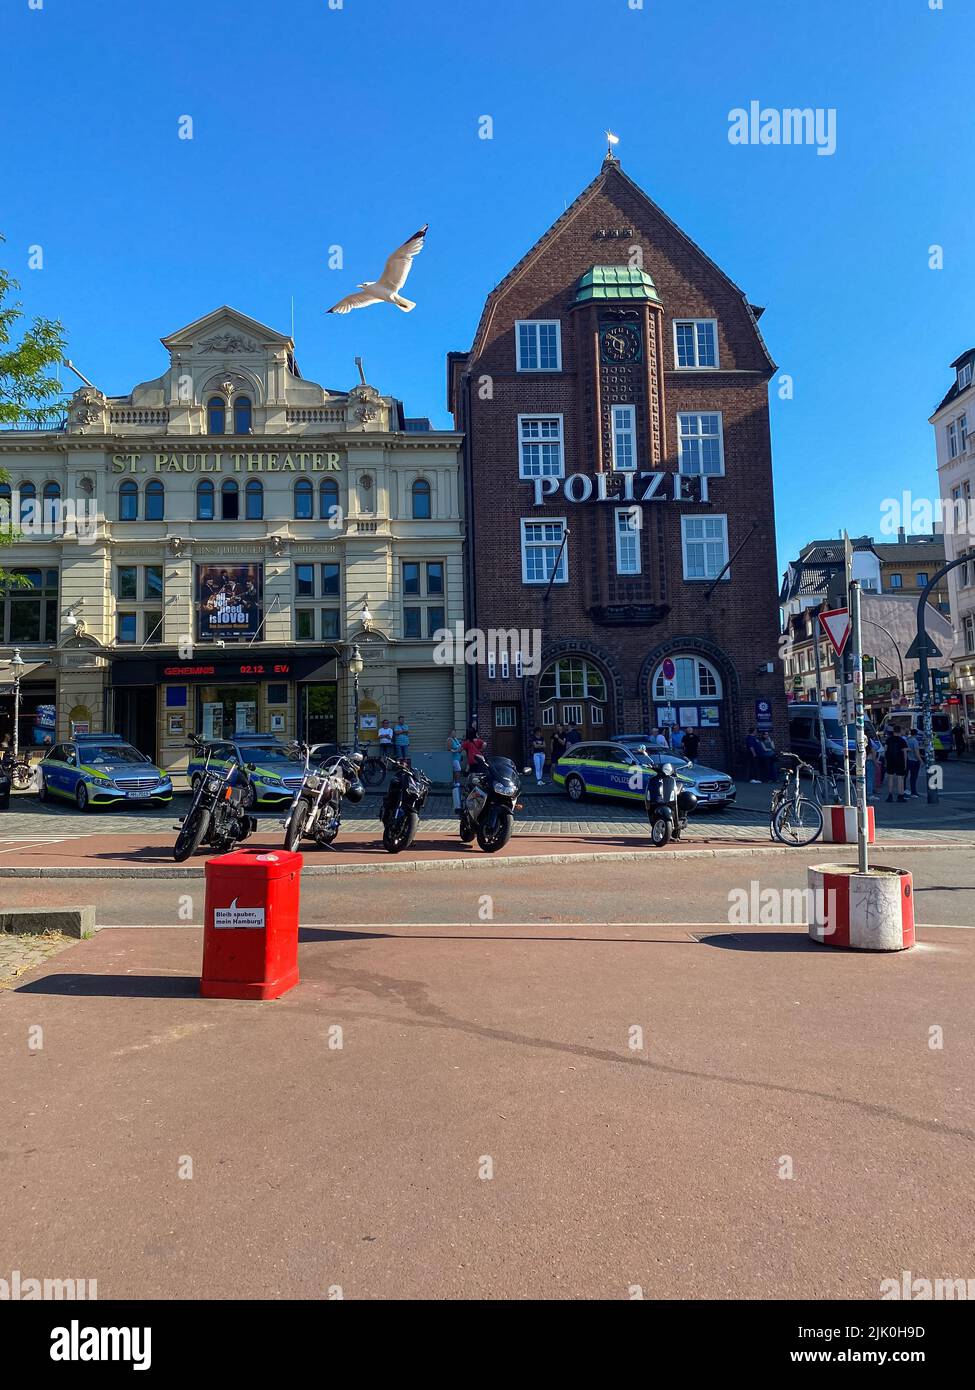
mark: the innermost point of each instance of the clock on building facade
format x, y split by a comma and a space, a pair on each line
621, 342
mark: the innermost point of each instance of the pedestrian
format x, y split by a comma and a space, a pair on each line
691, 743
958, 737
677, 737
401, 738
770, 759
538, 755
896, 751
473, 746
558, 745
753, 748
659, 739
573, 735
454, 748
913, 762
871, 769
385, 738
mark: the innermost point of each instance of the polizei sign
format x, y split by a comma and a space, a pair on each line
622, 487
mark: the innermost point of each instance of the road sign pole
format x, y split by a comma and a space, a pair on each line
847, 581
861, 732
819, 703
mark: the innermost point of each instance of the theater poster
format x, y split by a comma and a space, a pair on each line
229, 601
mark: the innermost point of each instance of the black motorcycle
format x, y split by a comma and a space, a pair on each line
404, 800
668, 805
489, 803
218, 814
316, 811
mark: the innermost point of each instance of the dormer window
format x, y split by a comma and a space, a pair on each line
964, 376
216, 415
242, 415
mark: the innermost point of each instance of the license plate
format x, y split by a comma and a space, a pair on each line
141, 796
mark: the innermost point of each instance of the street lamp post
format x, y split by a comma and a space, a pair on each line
355, 666
18, 663
922, 679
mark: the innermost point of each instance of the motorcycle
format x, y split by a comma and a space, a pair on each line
488, 807
316, 810
218, 814
668, 805
19, 771
404, 800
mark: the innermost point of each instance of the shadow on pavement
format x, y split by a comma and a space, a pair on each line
778, 941
117, 986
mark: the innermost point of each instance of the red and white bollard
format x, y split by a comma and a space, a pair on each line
840, 825
872, 911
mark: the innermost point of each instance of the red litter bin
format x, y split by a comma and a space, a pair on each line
250, 931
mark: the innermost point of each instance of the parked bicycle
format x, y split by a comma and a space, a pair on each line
794, 818
19, 770
373, 768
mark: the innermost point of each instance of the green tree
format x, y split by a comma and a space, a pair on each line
28, 392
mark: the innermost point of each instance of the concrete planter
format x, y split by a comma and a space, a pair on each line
840, 825
861, 912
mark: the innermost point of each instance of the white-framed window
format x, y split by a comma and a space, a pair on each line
572, 678
964, 376
700, 442
952, 440
548, 715
627, 540
538, 345
624, 437
540, 545
696, 343
540, 446
571, 714
963, 432
492, 665
694, 679
595, 714
505, 668
505, 716
970, 633
897, 581
704, 541
519, 667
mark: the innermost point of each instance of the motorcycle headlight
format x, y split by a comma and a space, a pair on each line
313, 783
505, 787
213, 782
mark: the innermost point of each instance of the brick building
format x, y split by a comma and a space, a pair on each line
617, 386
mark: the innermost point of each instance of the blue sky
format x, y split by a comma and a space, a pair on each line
316, 126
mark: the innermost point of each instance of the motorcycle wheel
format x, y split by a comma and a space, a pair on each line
401, 834
496, 833
21, 775
467, 830
191, 834
660, 832
296, 826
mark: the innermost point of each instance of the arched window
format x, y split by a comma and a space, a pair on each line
216, 415
28, 502
128, 501
694, 679
328, 496
52, 503
254, 501
572, 678
155, 501
6, 505
421, 500
230, 501
304, 500
204, 500
242, 415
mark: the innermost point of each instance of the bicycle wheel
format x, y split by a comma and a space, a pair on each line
372, 772
798, 822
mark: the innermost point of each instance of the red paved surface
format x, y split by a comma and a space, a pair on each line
359, 1167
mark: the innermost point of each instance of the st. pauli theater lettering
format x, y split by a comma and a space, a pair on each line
623, 487
219, 463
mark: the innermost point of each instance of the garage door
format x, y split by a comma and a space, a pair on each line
426, 700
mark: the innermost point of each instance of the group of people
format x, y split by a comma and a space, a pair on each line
395, 738
467, 750
763, 758
896, 761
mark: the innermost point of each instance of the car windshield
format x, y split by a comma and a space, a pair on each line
655, 757
97, 756
264, 752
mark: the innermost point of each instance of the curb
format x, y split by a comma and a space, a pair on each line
431, 865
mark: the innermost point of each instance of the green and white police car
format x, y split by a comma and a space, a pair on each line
276, 775
100, 770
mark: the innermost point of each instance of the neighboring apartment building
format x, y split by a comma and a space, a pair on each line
249, 527
907, 564
619, 483
954, 422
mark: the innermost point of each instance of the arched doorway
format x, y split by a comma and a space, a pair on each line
573, 690
687, 692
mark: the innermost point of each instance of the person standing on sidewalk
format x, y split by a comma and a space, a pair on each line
558, 745
690, 744
753, 748
401, 737
454, 747
871, 769
913, 763
573, 735
385, 739
538, 755
958, 737
473, 747
896, 765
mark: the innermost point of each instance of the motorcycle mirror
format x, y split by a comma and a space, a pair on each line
668, 769
527, 771
251, 767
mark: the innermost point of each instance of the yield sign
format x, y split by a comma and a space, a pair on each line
836, 625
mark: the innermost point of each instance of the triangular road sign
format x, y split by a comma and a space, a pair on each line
836, 624
930, 648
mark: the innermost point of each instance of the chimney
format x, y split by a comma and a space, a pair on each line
901, 537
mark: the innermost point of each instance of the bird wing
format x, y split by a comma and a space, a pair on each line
359, 300
397, 268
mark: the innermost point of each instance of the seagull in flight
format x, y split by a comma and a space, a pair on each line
392, 280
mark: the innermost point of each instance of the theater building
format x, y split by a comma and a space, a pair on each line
204, 554
618, 475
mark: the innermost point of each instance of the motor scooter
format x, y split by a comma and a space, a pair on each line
668, 805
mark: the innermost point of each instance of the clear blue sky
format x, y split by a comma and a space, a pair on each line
315, 126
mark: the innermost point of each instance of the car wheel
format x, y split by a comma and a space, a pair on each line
81, 796
575, 788
41, 788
